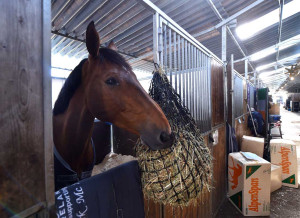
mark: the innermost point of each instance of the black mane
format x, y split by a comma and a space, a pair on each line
74, 79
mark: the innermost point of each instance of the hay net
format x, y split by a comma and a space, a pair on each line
177, 175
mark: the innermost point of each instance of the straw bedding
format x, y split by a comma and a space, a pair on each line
177, 175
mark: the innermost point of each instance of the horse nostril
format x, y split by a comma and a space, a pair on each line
165, 137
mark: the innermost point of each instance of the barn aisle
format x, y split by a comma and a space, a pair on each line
285, 202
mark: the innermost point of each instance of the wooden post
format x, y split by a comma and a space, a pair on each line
26, 165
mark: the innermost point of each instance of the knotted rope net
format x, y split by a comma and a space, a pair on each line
177, 175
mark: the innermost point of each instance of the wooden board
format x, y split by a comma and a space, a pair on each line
242, 129
275, 109
24, 137
217, 92
219, 170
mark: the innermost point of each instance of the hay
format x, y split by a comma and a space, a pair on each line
177, 175
110, 161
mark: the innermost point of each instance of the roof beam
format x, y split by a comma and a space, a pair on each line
229, 19
279, 28
228, 30
291, 41
154, 9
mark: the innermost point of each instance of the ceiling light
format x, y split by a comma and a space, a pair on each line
260, 68
292, 78
269, 73
248, 30
271, 50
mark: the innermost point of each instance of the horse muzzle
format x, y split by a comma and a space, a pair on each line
162, 141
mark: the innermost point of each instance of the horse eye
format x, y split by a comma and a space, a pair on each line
112, 81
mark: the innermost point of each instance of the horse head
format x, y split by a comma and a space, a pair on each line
113, 94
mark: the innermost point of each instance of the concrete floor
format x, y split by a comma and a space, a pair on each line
285, 202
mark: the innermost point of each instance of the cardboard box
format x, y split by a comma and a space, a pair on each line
283, 152
276, 182
275, 109
253, 144
249, 181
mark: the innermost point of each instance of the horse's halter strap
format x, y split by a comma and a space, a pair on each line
69, 176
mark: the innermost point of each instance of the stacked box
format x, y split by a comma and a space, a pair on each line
283, 153
276, 182
249, 181
253, 144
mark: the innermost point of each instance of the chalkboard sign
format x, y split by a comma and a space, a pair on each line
115, 193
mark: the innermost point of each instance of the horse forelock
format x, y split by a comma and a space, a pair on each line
106, 54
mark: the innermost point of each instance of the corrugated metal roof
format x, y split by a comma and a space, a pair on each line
129, 24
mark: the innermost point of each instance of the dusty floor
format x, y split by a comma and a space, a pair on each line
285, 202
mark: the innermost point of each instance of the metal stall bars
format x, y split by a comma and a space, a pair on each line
188, 67
238, 94
251, 94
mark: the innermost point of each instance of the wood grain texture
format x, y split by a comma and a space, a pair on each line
229, 94
22, 161
242, 129
152, 209
217, 91
219, 170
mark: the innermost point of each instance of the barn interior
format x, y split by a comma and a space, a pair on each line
226, 59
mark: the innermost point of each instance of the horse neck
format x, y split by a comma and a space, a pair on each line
72, 133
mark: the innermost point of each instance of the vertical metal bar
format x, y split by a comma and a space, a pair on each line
232, 92
189, 77
246, 69
170, 55
207, 94
202, 94
198, 86
182, 71
156, 38
210, 98
194, 81
224, 59
165, 61
185, 71
111, 138
205, 91
255, 79
179, 65
224, 43
175, 60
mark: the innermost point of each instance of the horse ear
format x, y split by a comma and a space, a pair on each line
112, 46
92, 40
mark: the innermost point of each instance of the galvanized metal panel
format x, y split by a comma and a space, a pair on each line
238, 95
188, 69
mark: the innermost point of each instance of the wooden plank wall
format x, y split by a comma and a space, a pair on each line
24, 138
217, 90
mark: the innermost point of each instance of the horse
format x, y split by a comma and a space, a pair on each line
103, 86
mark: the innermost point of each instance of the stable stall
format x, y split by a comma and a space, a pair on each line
209, 83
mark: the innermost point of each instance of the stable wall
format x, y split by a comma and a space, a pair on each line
26, 173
